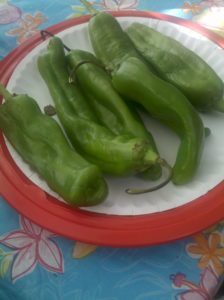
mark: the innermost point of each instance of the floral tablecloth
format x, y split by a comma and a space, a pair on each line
37, 264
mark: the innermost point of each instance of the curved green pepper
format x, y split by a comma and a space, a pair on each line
96, 83
114, 154
41, 143
133, 80
166, 103
178, 65
110, 108
117, 46
110, 42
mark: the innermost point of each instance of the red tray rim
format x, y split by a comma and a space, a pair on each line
101, 229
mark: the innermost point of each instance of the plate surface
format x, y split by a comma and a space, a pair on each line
122, 220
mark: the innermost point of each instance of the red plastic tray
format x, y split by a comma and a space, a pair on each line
102, 229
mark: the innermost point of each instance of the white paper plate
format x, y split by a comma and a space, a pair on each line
26, 79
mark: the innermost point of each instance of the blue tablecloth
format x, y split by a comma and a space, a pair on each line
36, 264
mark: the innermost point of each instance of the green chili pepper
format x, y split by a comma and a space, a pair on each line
110, 43
41, 143
114, 154
178, 65
166, 103
133, 79
94, 81
110, 108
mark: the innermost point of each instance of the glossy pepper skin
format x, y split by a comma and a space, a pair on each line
114, 154
178, 65
96, 83
166, 103
41, 143
129, 72
109, 107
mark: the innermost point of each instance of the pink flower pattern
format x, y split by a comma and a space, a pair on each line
207, 285
32, 245
9, 13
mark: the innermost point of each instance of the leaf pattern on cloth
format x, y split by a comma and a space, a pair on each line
5, 262
81, 250
33, 245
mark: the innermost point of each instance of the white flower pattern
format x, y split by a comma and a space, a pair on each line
119, 4
32, 245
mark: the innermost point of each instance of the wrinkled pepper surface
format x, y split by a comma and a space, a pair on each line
114, 154
41, 143
108, 105
134, 80
178, 65
166, 103
110, 43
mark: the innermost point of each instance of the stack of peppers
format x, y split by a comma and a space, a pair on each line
93, 98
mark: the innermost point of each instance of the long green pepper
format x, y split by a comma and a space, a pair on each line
134, 80
109, 107
166, 103
104, 30
41, 143
96, 83
114, 154
179, 66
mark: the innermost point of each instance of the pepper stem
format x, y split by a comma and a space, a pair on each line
137, 191
3, 91
45, 33
72, 74
89, 7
